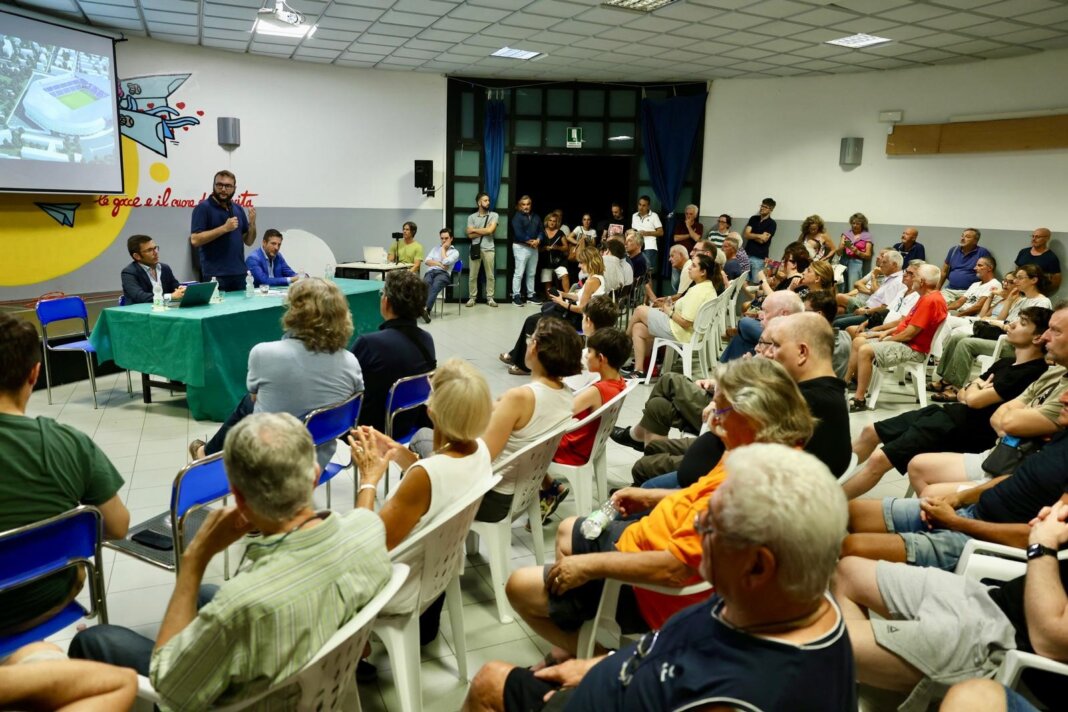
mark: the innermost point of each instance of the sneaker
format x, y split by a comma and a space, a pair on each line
471, 303
623, 437
517, 300
553, 500
490, 302
537, 299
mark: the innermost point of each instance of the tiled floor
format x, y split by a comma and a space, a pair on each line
147, 443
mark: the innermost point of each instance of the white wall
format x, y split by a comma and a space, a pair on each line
780, 138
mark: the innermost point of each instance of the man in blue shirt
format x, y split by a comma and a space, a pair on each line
908, 247
958, 271
220, 230
267, 264
526, 227
770, 629
439, 269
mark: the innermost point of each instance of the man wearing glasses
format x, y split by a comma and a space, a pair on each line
220, 230
139, 277
770, 630
439, 269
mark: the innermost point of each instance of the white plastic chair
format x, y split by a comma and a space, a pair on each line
328, 680
985, 362
603, 627
917, 370
435, 555
583, 477
702, 324
983, 560
531, 462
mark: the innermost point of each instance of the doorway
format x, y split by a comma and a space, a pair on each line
574, 184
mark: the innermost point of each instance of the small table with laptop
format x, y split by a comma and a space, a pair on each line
375, 261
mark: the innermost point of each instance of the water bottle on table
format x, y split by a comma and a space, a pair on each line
157, 296
250, 285
215, 296
593, 525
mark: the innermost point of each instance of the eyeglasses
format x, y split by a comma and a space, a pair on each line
150, 250
641, 650
720, 412
226, 186
702, 524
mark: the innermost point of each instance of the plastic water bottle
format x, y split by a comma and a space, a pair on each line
157, 296
593, 525
215, 296
250, 286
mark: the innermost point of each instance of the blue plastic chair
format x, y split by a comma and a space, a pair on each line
53, 310
37, 550
450, 289
329, 423
197, 485
406, 394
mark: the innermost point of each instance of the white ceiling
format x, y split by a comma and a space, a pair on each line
582, 40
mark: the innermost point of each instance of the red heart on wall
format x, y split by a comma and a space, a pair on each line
200, 113
180, 104
151, 106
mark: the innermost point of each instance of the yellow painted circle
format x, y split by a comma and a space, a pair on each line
37, 248
159, 172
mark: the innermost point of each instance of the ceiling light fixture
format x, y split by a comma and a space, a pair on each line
514, 53
637, 5
858, 41
620, 138
281, 21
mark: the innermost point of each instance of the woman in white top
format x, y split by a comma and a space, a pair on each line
524, 414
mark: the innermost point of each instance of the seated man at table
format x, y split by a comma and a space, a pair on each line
48, 468
407, 251
768, 632
267, 264
398, 349
307, 368
307, 574
439, 264
140, 276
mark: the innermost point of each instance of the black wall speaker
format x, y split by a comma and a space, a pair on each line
424, 174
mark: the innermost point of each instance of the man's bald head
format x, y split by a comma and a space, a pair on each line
808, 328
803, 343
780, 304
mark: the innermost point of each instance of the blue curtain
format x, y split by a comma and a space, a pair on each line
493, 145
669, 129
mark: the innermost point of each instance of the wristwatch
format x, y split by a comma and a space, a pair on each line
1036, 551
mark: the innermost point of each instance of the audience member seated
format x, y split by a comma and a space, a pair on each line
49, 468
818, 276
862, 307
703, 247
525, 414
139, 276
614, 256
397, 350
795, 260
910, 342
675, 402
758, 643
855, 247
962, 426
565, 306
267, 264
439, 264
1040, 255
677, 257
961, 347
304, 370
898, 310
958, 271
750, 328
755, 401
823, 302
673, 320
407, 251
599, 313
459, 409
803, 344
937, 628
909, 248
40, 676
307, 571
737, 261
1031, 417
637, 260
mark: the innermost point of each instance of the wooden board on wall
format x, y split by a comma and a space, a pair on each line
1030, 134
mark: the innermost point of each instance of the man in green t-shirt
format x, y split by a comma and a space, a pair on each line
49, 468
411, 252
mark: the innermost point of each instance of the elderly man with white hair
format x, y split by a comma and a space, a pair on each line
305, 575
736, 259
770, 629
750, 329
910, 341
860, 308
687, 230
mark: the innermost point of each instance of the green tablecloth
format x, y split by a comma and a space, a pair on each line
207, 347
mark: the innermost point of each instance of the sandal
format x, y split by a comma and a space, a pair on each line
946, 396
194, 448
857, 406
516, 371
937, 387
505, 358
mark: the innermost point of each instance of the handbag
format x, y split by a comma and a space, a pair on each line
476, 250
984, 330
1008, 454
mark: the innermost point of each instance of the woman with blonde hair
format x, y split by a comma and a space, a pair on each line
814, 235
309, 367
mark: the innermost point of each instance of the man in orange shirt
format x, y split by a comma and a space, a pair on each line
755, 401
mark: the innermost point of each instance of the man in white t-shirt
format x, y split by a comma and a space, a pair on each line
649, 228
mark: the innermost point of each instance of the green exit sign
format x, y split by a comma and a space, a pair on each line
574, 137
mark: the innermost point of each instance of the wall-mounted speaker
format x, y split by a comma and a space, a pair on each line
229, 131
424, 174
851, 152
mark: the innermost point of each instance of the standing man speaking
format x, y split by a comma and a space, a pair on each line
220, 230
